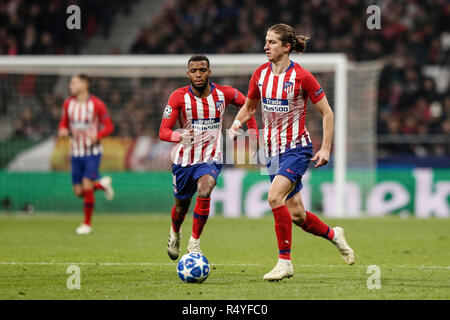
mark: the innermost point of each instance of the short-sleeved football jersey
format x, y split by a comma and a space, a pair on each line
283, 102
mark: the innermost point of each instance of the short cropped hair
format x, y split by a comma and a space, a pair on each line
84, 77
199, 57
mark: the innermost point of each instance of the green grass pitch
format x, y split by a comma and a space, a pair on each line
125, 258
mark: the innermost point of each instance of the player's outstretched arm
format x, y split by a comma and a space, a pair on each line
63, 128
323, 155
105, 120
247, 112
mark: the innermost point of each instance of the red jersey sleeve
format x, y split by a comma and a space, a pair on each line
313, 89
169, 119
105, 119
239, 98
234, 96
64, 122
253, 89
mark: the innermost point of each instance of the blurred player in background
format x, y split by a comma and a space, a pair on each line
86, 119
199, 109
283, 87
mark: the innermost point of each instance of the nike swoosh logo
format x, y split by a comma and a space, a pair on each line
289, 170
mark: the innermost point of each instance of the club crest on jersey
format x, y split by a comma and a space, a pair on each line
220, 105
288, 86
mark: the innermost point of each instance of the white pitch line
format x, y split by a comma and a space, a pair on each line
213, 264
365, 266
118, 264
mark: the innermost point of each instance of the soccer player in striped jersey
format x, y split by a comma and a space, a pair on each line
283, 88
197, 158
86, 119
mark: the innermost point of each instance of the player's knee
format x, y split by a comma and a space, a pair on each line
275, 200
298, 216
78, 192
204, 193
205, 187
182, 210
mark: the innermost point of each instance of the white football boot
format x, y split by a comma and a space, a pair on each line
106, 182
173, 245
282, 270
84, 229
339, 241
194, 245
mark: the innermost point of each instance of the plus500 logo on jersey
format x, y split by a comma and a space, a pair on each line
206, 124
275, 105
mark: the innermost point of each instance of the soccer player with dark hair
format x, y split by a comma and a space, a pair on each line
197, 159
283, 87
87, 120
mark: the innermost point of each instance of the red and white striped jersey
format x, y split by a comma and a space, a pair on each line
84, 118
204, 116
283, 102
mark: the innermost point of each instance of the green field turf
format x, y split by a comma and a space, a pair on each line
125, 258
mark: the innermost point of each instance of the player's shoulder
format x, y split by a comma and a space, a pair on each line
67, 100
229, 92
181, 90
261, 68
224, 88
96, 100
301, 71
178, 94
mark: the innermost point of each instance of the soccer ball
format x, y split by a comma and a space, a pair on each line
193, 267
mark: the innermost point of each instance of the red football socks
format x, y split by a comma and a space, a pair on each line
283, 230
98, 186
317, 227
201, 213
88, 206
177, 220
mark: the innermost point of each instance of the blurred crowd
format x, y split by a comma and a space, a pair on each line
39, 26
413, 34
232, 26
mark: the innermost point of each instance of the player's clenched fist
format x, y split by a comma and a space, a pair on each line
233, 132
63, 133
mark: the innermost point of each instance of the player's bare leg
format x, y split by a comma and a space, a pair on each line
86, 190
279, 190
312, 224
205, 185
78, 190
179, 211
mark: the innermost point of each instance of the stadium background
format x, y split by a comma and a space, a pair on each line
409, 168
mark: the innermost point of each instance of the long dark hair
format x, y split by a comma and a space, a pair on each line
289, 35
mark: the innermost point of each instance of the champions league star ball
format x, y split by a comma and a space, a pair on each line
193, 267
